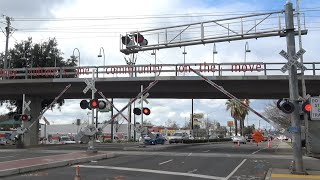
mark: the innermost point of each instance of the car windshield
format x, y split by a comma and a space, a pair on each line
65, 139
177, 134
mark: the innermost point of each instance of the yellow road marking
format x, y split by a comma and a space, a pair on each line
295, 176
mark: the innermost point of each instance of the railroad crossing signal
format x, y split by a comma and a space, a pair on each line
90, 85
145, 110
293, 60
26, 106
22, 117
144, 98
93, 104
286, 107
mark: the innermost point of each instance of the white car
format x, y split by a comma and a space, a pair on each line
239, 139
66, 140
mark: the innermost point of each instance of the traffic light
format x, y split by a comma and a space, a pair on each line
306, 107
140, 39
286, 107
146, 111
128, 39
25, 117
137, 111
93, 104
22, 117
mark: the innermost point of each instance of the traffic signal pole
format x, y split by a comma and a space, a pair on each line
91, 143
293, 89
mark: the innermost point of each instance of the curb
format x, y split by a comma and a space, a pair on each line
268, 175
14, 171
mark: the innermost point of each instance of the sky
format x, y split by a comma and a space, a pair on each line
99, 24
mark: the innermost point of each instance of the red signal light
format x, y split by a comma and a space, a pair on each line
24, 117
94, 103
307, 107
146, 111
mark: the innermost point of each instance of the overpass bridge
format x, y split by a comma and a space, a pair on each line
254, 80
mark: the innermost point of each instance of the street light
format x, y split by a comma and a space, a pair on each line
104, 57
79, 54
246, 50
214, 51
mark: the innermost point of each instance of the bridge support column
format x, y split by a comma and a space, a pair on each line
32, 136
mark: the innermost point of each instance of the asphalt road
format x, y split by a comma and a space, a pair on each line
211, 161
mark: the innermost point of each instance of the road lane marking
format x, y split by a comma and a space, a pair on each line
153, 171
206, 151
165, 162
192, 171
258, 150
189, 154
235, 169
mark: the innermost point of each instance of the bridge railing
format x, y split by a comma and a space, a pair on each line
149, 70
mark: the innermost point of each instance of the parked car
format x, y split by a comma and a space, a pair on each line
2, 142
239, 139
66, 140
178, 137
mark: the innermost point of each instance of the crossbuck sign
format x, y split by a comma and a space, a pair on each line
144, 98
26, 105
90, 85
293, 60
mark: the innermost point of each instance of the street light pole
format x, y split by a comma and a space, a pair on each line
214, 51
104, 57
78, 53
246, 49
184, 60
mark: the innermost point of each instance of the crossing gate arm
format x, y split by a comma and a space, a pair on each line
130, 102
220, 88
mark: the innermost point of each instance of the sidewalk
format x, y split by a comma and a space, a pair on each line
8, 168
312, 167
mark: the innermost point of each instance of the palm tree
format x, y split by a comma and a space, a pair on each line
238, 113
243, 113
233, 106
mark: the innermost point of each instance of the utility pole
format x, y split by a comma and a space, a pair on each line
303, 83
293, 89
5, 63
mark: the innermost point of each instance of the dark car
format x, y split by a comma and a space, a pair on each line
249, 138
157, 139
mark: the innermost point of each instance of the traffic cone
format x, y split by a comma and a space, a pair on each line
77, 176
269, 144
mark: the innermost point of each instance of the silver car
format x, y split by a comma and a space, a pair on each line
239, 139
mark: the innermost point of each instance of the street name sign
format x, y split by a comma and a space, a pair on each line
315, 108
293, 60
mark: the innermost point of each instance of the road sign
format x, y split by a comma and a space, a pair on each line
26, 106
315, 108
293, 60
257, 136
144, 98
90, 85
230, 123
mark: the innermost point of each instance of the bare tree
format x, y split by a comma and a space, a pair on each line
172, 124
277, 116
